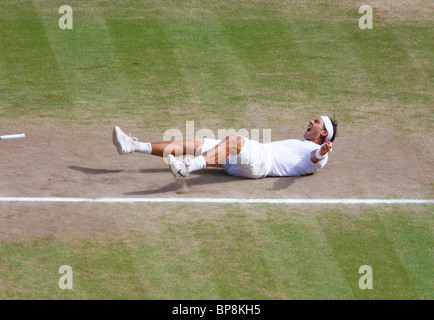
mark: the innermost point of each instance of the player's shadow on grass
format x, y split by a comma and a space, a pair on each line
198, 178
95, 171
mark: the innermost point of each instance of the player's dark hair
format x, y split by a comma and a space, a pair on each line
335, 129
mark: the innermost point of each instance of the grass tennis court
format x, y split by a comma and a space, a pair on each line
149, 66
233, 252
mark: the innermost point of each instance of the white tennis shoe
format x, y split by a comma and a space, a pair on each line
123, 142
179, 167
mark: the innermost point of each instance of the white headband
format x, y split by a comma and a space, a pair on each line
329, 126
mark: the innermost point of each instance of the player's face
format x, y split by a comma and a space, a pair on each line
314, 129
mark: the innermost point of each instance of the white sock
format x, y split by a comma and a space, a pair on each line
142, 147
195, 164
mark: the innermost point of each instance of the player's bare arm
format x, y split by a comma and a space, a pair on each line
319, 154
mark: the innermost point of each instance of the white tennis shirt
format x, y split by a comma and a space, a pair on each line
291, 158
279, 158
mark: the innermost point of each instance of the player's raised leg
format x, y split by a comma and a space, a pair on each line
176, 148
126, 144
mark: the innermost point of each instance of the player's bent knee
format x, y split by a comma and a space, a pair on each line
235, 143
240, 143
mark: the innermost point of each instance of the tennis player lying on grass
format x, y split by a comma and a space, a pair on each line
242, 157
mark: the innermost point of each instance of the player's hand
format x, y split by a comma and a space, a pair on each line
326, 146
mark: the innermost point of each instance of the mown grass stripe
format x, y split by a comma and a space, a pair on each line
410, 233
167, 256
151, 68
232, 248
94, 78
217, 81
393, 63
299, 254
362, 239
33, 83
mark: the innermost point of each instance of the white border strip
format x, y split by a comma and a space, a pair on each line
216, 200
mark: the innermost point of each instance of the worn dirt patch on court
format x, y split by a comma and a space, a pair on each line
82, 162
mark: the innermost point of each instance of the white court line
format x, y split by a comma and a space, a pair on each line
216, 200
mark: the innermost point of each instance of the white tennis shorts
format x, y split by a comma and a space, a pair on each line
249, 163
